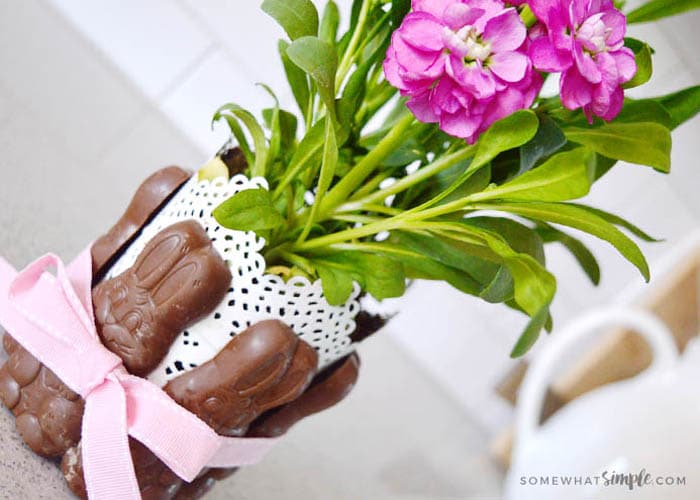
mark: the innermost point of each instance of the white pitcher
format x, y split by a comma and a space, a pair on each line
635, 439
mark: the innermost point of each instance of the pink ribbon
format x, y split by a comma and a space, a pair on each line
51, 317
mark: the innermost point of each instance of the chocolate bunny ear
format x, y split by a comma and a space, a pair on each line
176, 280
149, 197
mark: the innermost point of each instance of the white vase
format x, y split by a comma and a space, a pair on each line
253, 296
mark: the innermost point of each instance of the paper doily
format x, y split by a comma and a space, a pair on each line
253, 295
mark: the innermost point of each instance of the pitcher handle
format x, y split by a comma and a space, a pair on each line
535, 383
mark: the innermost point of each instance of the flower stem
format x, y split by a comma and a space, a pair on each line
353, 179
405, 220
349, 55
404, 183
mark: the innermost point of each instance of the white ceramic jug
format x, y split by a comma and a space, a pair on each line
635, 439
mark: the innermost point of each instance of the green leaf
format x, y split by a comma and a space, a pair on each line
287, 125
531, 333
644, 110
643, 143
307, 155
580, 218
507, 133
548, 139
296, 78
418, 266
329, 23
248, 210
520, 237
581, 253
297, 17
378, 275
564, 176
534, 286
619, 221
450, 252
603, 164
353, 93
399, 9
642, 56
319, 60
237, 132
477, 182
273, 124
682, 105
328, 164
336, 283
256, 133
658, 9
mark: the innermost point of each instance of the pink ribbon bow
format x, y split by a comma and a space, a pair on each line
51, 317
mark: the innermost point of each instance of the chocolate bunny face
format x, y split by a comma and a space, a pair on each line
48, 414
176, 280
261, 368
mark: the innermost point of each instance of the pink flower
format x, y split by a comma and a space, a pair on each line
462, 62
584, 40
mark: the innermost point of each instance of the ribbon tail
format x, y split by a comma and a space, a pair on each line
108, 468
237, 452
181, 440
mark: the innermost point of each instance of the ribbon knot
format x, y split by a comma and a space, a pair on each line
51, 316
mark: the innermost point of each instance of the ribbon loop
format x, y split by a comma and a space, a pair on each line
52, 317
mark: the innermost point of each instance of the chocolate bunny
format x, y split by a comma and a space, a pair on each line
176, 280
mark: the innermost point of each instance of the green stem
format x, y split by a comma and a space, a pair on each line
353, 179
374, 104
300, 262
349, 55
404, 220
309, 117
370, 185
385, 248
443, 163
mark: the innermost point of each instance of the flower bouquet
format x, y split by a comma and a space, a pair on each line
223, 307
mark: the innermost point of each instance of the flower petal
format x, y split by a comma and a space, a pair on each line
434, 7
626, 64
544, 8
458, 15
509, 66
391, 69
579, 10
421, 107
545, 57
575, 90
472, 78
616, 22
416, 64
613, 105
460, 124
443, 97
586, 65
422, 31
505, 31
